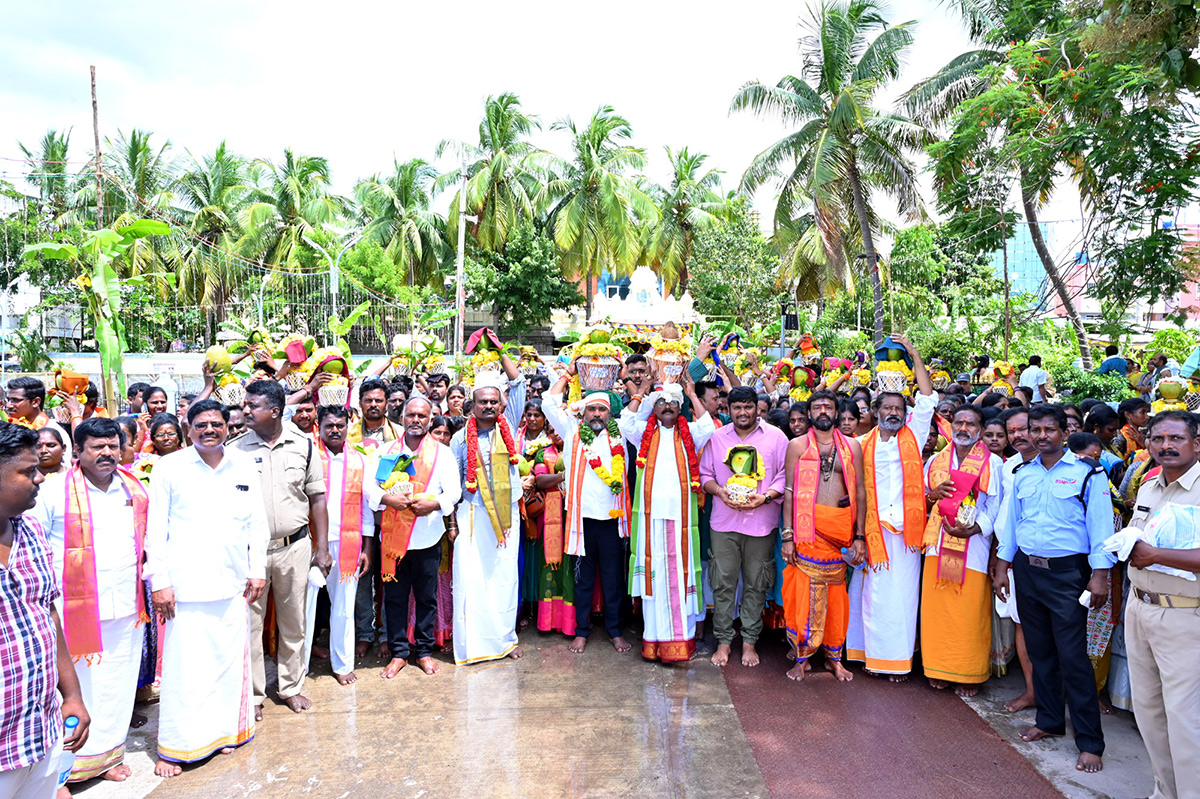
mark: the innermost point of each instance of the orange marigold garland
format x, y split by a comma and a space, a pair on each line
473, 448
689, 448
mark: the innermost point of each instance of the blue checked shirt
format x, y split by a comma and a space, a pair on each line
1047, 519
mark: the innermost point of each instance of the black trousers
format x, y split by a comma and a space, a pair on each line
1055, 627
416, 571
605, 551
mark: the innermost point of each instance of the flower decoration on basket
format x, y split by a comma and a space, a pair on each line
783, 369
1192, 398
597, 359
331, 361
484, 347
835, 368
860, 378
528, 363
803, 382
967, 512
725, 352
809, 354
741, 364
1172, 395
894, 377
1002, 370
68, 383
670, 356
297, 348
939, 378
748, 469
614, 479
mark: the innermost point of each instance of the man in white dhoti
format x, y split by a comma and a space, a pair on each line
486, 551
664, 560
96, 512
206, 550
884, 597
350, 496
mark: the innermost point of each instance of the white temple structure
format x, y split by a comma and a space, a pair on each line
644, 305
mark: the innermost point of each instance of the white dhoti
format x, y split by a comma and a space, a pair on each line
485, 588
206, 684
109, 683
341, 615
673, 608
883, 610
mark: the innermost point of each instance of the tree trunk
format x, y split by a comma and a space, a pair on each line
864, 224
1056, 279
587, 297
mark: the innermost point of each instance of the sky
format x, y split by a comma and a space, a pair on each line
362, 83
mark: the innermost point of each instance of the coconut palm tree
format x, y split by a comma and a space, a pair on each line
844, 149
504, 172
395, 213
594, 205
213, 190
288, 201
48, 171
692, 203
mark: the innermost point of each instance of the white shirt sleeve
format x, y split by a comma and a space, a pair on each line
922, 416
632, 424
449, 486
702, 430
558, 416
156, 571
258, 532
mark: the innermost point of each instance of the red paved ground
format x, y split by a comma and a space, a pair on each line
870, 738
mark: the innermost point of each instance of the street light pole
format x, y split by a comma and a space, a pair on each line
334, 274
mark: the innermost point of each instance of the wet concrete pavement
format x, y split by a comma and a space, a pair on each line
555, 724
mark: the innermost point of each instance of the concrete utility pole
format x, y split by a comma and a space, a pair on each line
96, 132
460, 292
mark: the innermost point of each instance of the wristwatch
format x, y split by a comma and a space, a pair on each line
858, 537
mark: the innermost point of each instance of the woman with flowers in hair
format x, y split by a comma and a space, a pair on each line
664, 562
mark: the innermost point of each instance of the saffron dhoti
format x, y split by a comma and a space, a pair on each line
956, 627
815, 604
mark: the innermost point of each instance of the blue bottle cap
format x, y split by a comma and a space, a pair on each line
71, 722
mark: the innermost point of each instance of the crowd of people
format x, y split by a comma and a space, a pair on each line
945, 532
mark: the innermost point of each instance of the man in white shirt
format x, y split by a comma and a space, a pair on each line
98, 513
1038, 379
410, 532
884, 597
351, 498
597, 518
206, 554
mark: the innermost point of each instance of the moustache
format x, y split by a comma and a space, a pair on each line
105, 460
1170, 453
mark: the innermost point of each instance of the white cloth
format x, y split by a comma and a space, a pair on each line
206, 685
1173, 526
1007, 609
36, 781
443, 483
1034, 377
596, 497
672, 612
485, 587
112, 535
883, 610
207, 528
889, 476
666, 493
987, 505
109, 684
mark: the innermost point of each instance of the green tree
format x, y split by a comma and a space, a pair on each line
48, 171
595, 204
288, 201
691, 204
395, 214
735, 270
523, 285
213, 189
504, 172
845, 149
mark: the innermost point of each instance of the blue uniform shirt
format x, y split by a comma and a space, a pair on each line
1047, 519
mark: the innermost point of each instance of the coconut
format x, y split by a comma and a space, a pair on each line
218, 360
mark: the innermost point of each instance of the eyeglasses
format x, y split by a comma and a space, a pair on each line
208, 425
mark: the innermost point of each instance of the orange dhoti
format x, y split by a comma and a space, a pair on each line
815, 605
956, 626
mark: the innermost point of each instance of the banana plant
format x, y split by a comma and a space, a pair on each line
95, 259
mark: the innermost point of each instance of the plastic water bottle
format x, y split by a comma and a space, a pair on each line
848, 556
66, 761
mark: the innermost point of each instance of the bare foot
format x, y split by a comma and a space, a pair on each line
797, 672
165, 768
1020, 703
749, 655
939, 685
841, 672
298, 703
1032, 733
63, 792
966, 690
360, 649
721, 656
621, 645
346, 679
577, 645
898, 678
229, 750
1106, 707
1089, 763
118, 773
516, 654
522, 624
320, 652
138, 720
428, 665
394, 667
258, 713
385, 651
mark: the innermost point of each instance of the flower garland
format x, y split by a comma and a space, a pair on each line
615, 479
473, 448
681, 345
689, 448
741, 366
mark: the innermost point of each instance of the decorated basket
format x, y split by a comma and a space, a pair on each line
739, 493
670, 364
1001, 387
859, 378
940, 379
333, 395
892, 382
967, 513
232, 394
598, 373
400, 488
296, 380
435, 365
1192, 399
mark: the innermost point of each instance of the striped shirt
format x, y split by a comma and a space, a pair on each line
29, 716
